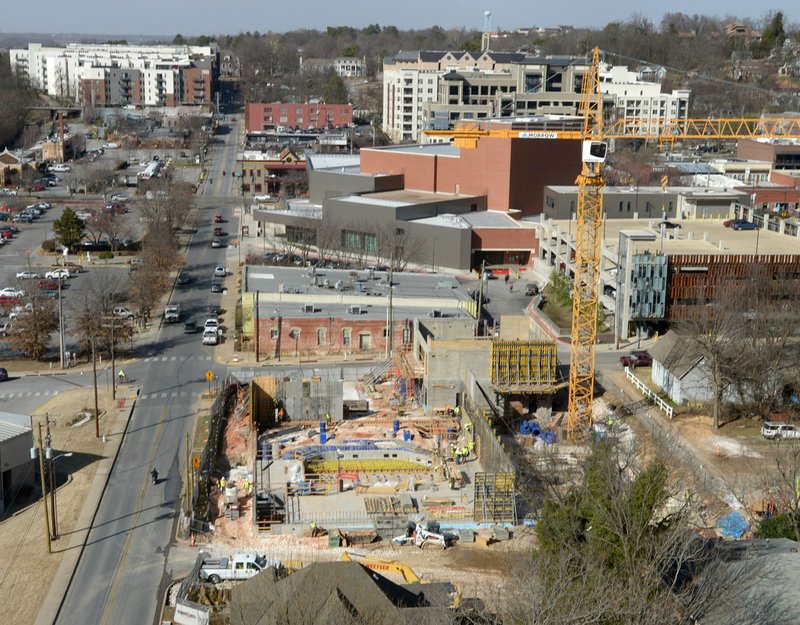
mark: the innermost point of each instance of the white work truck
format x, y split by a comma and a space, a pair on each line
237, 566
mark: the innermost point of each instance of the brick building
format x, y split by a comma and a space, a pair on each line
261, 117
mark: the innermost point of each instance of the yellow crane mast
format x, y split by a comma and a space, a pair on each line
588, 238
588, 232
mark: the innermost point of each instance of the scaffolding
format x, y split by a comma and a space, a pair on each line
495, 500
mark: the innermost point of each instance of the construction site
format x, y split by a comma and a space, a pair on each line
303, 467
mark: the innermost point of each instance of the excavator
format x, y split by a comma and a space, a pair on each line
382, 566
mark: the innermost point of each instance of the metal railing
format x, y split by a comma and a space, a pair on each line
660, 403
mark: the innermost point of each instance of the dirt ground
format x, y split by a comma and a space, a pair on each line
26, 568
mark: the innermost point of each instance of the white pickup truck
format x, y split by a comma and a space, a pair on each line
172, 313
237, 566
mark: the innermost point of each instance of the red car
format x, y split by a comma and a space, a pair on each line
6, 234
218, 219
38, 187
637, 359
48, 285
8, 302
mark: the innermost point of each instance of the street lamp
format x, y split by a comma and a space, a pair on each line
53, 483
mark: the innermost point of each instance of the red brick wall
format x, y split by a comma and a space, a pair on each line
512, 173
755, 150
318, 115
98, 87
191, 74
506, 239
784, 178
307, 343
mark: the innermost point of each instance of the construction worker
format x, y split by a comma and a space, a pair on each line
121, 376
458, 455
328, 418
222, 483
314, 529
452, 451
471, 447
246, 486
457, 411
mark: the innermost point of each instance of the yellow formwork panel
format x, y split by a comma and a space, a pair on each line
524, 363
364, 466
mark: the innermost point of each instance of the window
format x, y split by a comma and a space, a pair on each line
347, 334
629, 207
273, 334
295, 333
365, 340
320, 336
551, 203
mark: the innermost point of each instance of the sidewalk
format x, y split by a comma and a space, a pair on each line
49, 609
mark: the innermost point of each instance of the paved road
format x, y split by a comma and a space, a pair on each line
122, 569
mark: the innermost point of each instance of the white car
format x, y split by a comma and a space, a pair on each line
123, 311
210, 337
211, 322
57, 274
775, 430
59, 167
28, 275
83, 215
119, 197
220, 272
6, 191
11, 291
20, 310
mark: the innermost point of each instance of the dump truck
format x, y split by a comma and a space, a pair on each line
237, 566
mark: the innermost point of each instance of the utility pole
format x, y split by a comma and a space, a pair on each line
49, 455
113, 364
480, 295
96, 408
44, 494
61, 324
255, 323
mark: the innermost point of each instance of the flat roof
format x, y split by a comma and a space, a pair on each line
372, 311
491, 219
697, 236
298, 208
334, 161
301, 280
10, 430
402, 197
440, 149
687, 191
445, 221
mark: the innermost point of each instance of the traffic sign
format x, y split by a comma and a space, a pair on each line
209, 375
196, 462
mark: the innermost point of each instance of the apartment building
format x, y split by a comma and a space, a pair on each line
436, 90
118, 75
344, 66
635, 98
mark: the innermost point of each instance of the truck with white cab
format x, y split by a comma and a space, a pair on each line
237, 566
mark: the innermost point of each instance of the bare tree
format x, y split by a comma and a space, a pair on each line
35, 324
93, 313
169, 203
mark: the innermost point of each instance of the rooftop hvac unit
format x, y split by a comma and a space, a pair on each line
308, 308
435, 313
338, 285
354, 310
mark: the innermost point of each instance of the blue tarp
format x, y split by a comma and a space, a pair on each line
732, 526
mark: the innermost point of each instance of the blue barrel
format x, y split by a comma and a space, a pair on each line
323, 434
406, 435
396, 426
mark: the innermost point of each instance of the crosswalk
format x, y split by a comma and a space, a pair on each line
170, 395
4, 396
176, 358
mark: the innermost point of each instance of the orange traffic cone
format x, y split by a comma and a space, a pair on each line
192, 535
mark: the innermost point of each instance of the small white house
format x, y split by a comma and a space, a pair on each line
680, 370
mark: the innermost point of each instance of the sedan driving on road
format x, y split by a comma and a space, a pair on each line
216, 243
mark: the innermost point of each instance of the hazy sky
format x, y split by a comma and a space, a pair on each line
167, 17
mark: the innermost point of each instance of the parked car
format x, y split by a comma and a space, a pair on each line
216, 243
5, 328
184, 278
123, 311
669, 225
741, 224
218, 231
3, 374
216, 286
531, 289
219, 219
637, 359
7, 191
119, 197
59, 167
48, 285
220, 271
775, 430
11, 291
22, 219
190, 327
58, 274
28, 275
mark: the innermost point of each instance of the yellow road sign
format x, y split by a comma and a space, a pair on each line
196, 462
209, 375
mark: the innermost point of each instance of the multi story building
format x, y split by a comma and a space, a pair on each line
119, 75
435, 90
260, 117
344, 66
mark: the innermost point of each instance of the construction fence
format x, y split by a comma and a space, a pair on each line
204, 475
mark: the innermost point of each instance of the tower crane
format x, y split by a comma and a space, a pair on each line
595, 135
